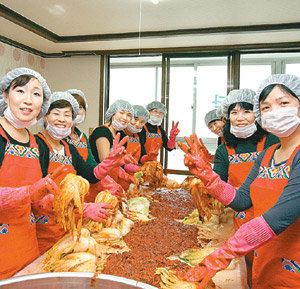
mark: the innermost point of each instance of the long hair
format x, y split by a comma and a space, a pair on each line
233, 141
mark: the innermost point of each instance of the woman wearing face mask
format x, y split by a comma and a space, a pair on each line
271, 188
77, 138
215, 124
23, 99
134, 144
153, 134
59, 119
117, 117
244, 140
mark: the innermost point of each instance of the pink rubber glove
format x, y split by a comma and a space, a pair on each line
197, 162
173, 133
114, 188
114, 159
222, 191
151, 154
96, 211
249, 236
45, 203
131, 168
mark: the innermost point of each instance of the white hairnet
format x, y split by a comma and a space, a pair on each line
219, 112
118, 105
140, 111
59, 95
8, 78
290, 81
78, 92
156, 105
235, 96
211, 116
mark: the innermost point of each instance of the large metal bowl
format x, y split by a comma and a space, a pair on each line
71, 280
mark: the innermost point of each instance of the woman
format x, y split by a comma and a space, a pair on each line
272, 188
215, 124
244, 140
117, 117
153, 134
23, 99
77, 138
59, 118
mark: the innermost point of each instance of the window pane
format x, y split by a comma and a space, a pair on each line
211, 90
181, 98
137, 84
253, 75
293, 68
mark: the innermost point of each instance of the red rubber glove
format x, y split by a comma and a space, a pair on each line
46, 185
114, 159
96, 211
151, 154
249, 236
131, 168
114, 188
126, 177
13, 197
173, 133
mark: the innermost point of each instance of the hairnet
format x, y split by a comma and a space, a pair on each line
219, 112
79, 92
156, 105
8, 78
211, 116
59, 95
118, 105
235, 96
140, 111
290, 81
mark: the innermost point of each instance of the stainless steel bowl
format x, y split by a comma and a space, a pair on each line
71, 280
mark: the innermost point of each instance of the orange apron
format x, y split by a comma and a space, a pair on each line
18, 242
152, 139
132, 144
240, 166
277, 263
48, 232
81, 145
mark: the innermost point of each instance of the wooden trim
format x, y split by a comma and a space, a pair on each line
101, 92
192, 51
179, 172
236, 70
26, 23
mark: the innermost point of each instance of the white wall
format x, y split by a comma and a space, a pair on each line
81, 72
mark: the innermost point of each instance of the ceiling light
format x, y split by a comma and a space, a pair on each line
155, 1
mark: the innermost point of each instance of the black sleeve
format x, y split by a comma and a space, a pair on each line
101, 131
270, 140
142, 135
242, 200
164, 139
221, 162
286, 211
44, 155
122, 135
82, 168
3, 142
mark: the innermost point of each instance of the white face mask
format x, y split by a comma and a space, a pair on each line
133, 129
58, 133
78, 119
281, 122
18, 124
118, 126
243, 131
154, 120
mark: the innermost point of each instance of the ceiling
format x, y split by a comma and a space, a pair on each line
61, 27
